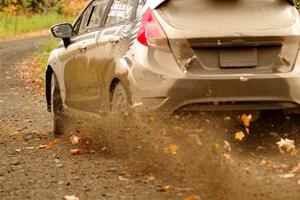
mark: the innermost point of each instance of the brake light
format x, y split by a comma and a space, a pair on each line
150, 32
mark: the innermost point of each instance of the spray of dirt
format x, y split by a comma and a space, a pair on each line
195, 152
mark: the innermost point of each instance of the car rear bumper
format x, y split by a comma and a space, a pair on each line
259, 92
159, 85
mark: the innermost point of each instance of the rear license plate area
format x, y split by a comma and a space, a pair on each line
238, 57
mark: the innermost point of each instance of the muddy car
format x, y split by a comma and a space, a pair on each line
170, 55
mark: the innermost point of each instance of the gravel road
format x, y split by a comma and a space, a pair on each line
27, 172
195, 156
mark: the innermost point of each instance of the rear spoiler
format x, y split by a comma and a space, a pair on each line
155, 3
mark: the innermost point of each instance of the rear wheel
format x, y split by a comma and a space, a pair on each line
56, 107
119, 106
119, 101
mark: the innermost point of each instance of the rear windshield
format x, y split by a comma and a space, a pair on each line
222, 15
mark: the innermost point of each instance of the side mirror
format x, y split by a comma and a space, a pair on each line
63, 31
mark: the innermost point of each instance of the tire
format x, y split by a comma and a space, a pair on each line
119, 107
119, 100
56, 107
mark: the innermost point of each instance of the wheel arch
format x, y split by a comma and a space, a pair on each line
48, 76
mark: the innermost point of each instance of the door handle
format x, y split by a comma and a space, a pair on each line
114, 39
83, 47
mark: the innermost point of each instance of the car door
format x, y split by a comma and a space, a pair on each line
114, 42
83, 56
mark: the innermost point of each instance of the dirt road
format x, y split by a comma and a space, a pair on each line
152, 159
30, 173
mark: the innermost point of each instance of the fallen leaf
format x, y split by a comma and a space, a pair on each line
193, 197
137, 104
227, 146
70, 197
247, 130
15, 133
287, 144
172, 149
74, 139
287, 176
228, 157
51, 144
250, 162
246, 119
166, 188
227, 118
216, 146
18, 150
263, 162
74, 152
122, 178
42, 146
150, 177
151, 118
239, 136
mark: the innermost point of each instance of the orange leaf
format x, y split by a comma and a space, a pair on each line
193, 197
172, 149
166, 188
246, 120
74, 152
239, 136
151, 118
51, 144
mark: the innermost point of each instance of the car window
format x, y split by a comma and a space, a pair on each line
91, 18
76, 27
120, 12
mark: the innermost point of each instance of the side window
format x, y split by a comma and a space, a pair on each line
97, 14
92, 16
85, 19
76, 27
120, 12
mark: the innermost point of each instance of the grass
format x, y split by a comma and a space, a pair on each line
17, 24
43, 53
41, 57
32, 70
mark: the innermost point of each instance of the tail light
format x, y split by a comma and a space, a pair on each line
151, 34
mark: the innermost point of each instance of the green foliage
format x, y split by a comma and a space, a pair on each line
67, 7
27, 3
16, 24
298, 4
29, 6
43, 53
42, 56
